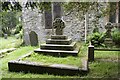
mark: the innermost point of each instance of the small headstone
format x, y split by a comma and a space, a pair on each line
58, 24
5, 36
33, 38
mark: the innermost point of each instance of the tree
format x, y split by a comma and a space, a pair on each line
8, 21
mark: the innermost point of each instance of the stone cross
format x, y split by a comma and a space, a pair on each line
58, 24
108, 28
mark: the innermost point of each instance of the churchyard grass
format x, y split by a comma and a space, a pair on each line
11, 42
98, 69
70, 60
112, 55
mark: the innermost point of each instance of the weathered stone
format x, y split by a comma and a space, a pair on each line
59, 37
33, 67
48, 20
108, 28
60, 42
7, 50
56, 10
35, 16
61, 53
33, 38
109, 42
58, 24
90, 53
26, 38
5, 36
70, 47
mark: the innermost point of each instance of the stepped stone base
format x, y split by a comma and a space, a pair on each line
57, 52
109, 42
59, 37
60, 42
70, 47
58, 45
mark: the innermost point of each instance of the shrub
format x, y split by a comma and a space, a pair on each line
116, 36
97, 39
19, 35
18, 28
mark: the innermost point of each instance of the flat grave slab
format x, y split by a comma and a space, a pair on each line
33, 67
26, 65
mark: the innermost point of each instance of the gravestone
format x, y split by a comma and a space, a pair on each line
108, 28
108, 40
59, 44
59, 25
5, 36
33, 38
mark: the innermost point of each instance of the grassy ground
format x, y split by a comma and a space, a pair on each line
70, 60
9, 43
105, 64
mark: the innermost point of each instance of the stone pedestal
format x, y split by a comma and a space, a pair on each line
109, 42
90, 53
59, 45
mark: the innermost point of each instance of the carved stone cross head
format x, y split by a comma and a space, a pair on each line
108, 26
58, 24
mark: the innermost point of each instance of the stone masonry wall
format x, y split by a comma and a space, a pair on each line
33, 20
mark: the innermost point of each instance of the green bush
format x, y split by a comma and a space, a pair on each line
1, 33
116, 36
97, 39
19, 35
18, 28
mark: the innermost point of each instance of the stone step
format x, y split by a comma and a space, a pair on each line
70, 47
59, 37
56, 52
61, 42
42, 68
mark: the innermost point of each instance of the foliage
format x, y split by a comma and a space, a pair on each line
10, 42
8, 21
69, 6
97, 39
102, 8
19, 35
11, 6
98, 69
17, 6
18, 28
116, 36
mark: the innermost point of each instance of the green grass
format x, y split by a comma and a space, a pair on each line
13, 56
98, 68
113, 55
11, 42
70, 60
